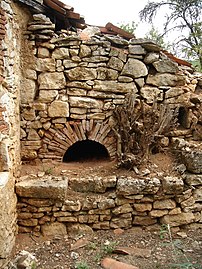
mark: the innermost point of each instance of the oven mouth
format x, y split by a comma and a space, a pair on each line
85, 151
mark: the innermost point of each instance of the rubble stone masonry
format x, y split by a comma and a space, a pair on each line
72, 84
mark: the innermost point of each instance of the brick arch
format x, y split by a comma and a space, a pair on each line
58, 141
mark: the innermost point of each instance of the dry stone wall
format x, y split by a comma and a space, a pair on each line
71, 87
51, 204
9, 125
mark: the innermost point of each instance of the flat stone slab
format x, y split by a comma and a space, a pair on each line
45, 187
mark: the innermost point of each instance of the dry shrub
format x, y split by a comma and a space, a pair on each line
139, 127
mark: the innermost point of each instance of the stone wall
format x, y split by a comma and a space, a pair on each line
73, 82
9, 124
57, 204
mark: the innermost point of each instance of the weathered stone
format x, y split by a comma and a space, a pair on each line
30, 74
47, 95
43, 52
106, 203
193, 179
28, 91
165, 66
173, 92
165, 79
54, 229
136, 49
49, 81
172, 185
198, 194
126, 208
140, 82
143, 207
70, 205
28, 222
175, 211
131, 186
103, 225
151, 94
69, 64
85, 102
84, 51
151, 57
81, 73
33, 135
79, 229
125, 79
164, 204
61, 53
45, 65
121, 222
193, 160
58, 109
134, 68
43, 188
177, 220
188, 202
144, 220
115, 87
29, 114
106, 73
115, 63
158, 213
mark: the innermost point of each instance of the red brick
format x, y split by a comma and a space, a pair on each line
109, 263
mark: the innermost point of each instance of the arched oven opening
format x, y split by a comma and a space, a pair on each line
86, 150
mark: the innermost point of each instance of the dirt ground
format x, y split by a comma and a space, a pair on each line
163, 163
148, 249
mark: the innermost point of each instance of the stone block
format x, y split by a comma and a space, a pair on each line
54, 229
47, 95
193, 179
151, 94
85, 102
158, 213
134, 68
144, 220
166, 66
115, 63
51, 81
164, 204
165, 79
61, 53
143, 207
43, 188
179, 219
172, 185
28, 91
45, 65
81, 73
71, 205
126, 208
58, 109
193, 160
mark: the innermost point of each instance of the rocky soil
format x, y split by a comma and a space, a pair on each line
141, 248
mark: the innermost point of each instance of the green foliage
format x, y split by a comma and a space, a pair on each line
184, 16
82, 265
109, 248
158, 38
129, 27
